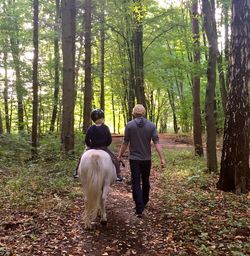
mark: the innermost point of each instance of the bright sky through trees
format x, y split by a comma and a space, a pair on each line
165, 3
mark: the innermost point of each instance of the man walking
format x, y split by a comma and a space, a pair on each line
138, 135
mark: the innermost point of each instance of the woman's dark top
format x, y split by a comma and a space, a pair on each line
98, 136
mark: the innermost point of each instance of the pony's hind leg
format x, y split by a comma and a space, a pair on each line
87, 222
103, 205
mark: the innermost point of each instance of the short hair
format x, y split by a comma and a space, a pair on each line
138, 110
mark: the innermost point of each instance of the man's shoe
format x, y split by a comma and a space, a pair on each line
119, 179
75, 175
139, 215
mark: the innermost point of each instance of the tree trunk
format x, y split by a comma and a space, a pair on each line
172, 104
234, 172
138, 54
223, 89
1, 123
131, 87
15, 51
113, 111
5, 92
197, 126
56, 68
35, 81
14, 43
209, 24
225, 9
102, 37
87, 81
68, 99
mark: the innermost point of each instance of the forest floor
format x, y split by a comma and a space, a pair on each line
186, 216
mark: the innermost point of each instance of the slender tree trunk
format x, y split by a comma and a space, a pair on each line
102, 37
56, 68
209, 24
113, 110
197, 126
131, 87
19, 87
68, 47
172, 104
5, 92
88, 83
11, 110
15, 51
226, 23
35, 81
1, 123
223, 90
235, 172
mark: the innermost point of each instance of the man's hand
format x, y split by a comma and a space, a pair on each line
163, 163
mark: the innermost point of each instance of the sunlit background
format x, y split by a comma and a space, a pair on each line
166, 3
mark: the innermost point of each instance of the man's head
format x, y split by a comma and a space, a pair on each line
138, 111
97, 114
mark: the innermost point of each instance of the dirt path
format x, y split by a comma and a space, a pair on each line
60, 231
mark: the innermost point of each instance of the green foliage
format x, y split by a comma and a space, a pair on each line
14, 149
26, 181
168, 49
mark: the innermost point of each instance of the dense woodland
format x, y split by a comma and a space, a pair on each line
186, 62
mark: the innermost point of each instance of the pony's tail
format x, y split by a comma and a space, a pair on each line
94, 184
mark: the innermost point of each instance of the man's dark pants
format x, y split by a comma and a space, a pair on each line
140, 172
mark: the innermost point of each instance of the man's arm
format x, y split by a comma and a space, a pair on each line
160, 153
122, 150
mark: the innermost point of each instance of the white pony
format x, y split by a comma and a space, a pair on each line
97, 172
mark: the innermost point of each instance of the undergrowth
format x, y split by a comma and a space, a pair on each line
25, 181
201, 218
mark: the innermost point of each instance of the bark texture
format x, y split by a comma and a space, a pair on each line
88, 94
138, 53
35, 81
56, 68
68, 47
197, 126
210, 28
234, 172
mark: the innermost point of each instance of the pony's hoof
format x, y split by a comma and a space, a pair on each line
104, 222
88, 227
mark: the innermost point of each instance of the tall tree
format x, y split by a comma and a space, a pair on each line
171, 98
197, 126
56, 67
225, 9
5, 92
222, 81
16, 55
35, 80
208, 9
138, 52
235, 172
68, 49
87, 81
102, 42
1, 123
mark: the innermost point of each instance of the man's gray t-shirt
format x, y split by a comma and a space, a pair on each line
138, 134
